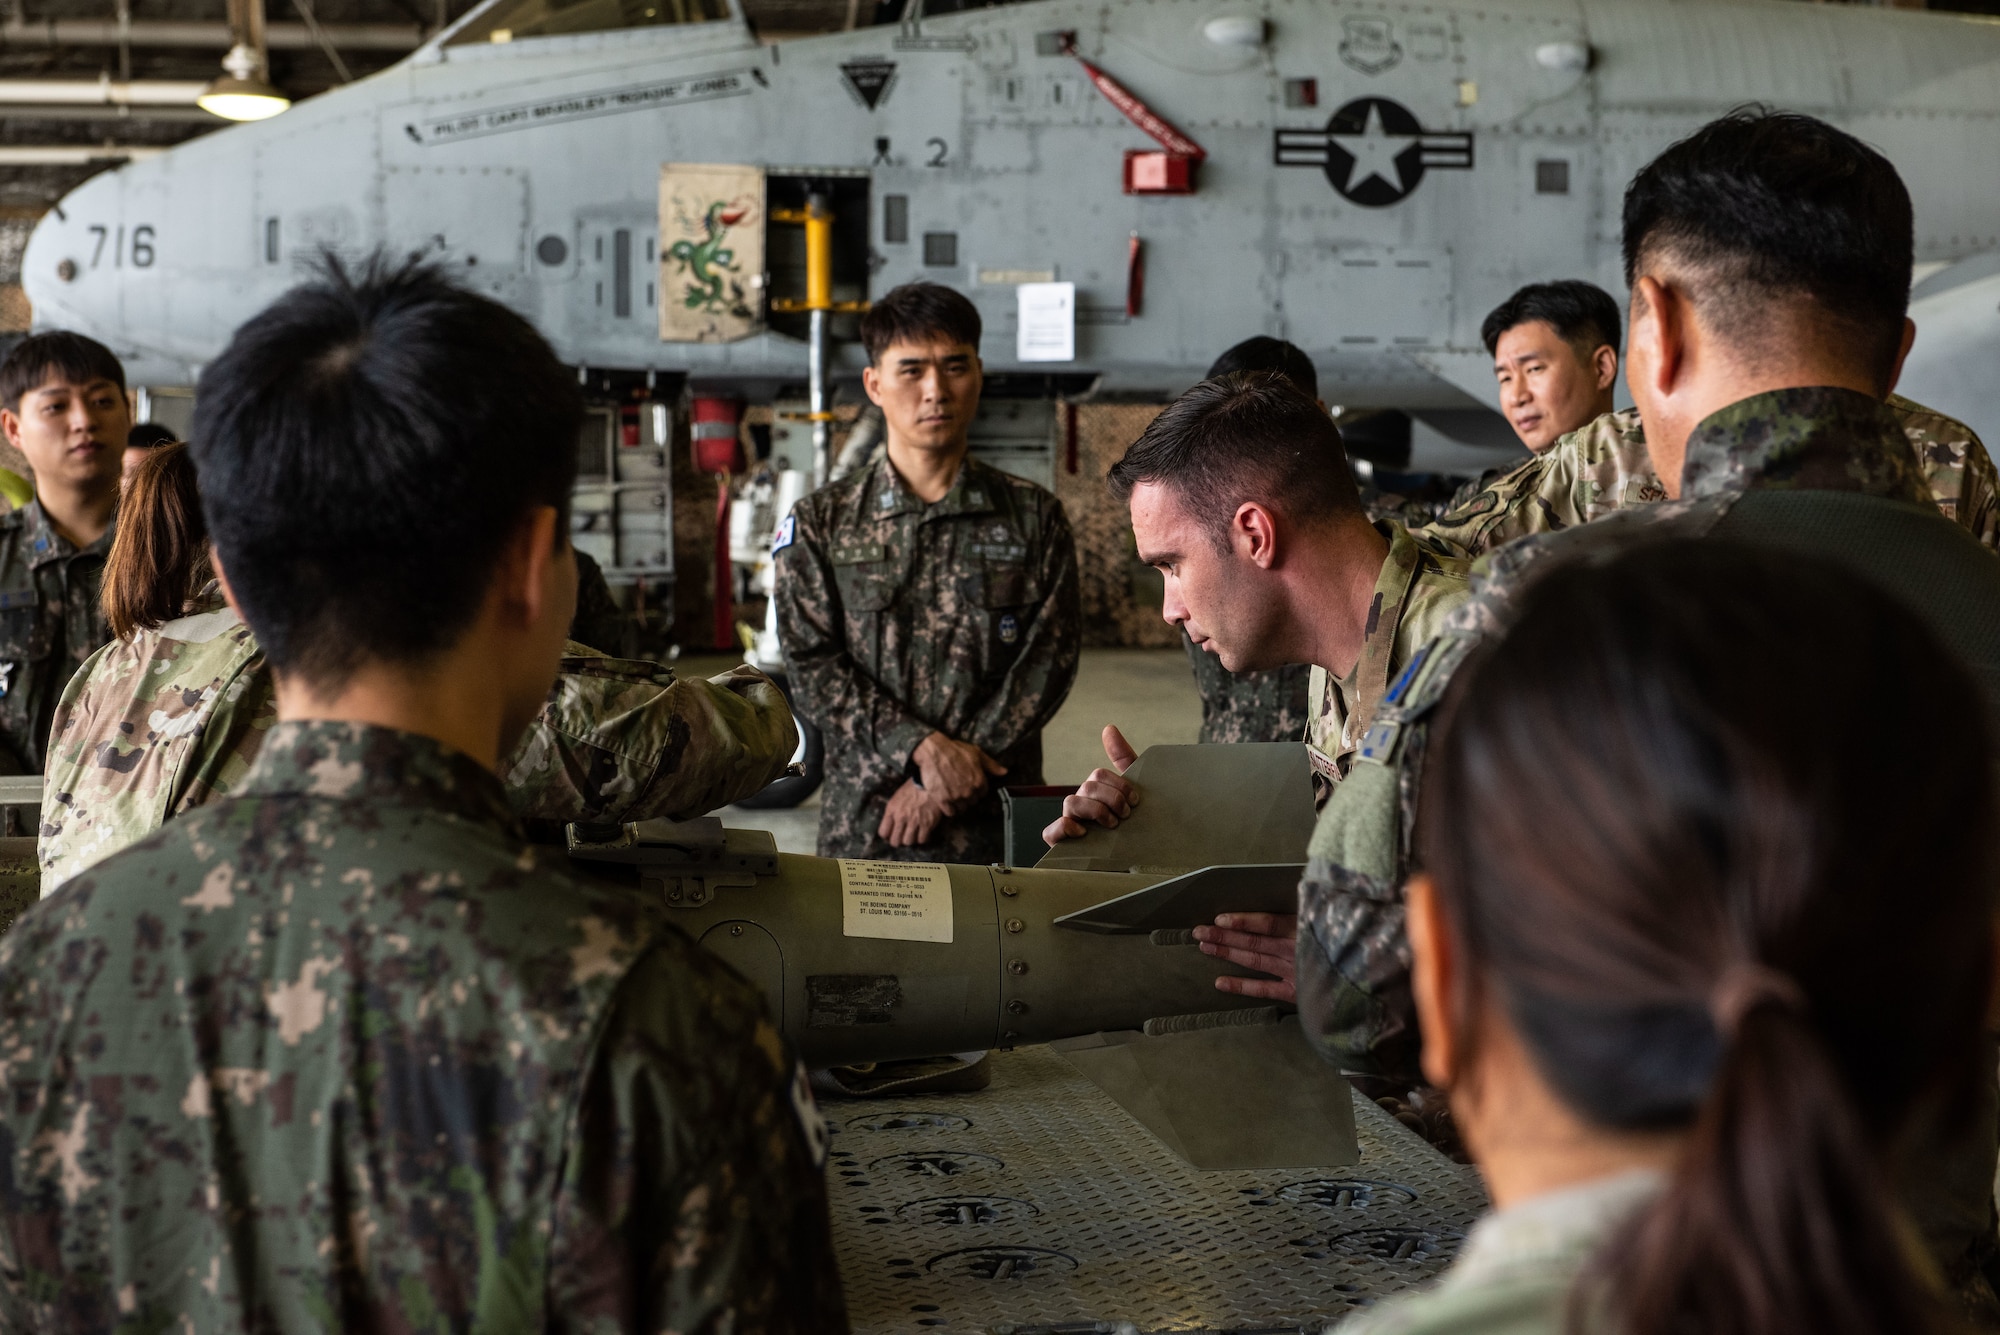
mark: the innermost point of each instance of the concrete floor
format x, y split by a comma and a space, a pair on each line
1148, 693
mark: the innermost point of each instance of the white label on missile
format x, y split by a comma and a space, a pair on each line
895, 901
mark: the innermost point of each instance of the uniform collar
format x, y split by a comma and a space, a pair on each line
1818, 439
45, 544
361, 762
1556, 1231
972, 492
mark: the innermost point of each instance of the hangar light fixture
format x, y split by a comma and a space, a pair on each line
1244, 32
244, 93
242, 99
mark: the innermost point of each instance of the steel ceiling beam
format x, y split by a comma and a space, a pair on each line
72, 155
205, 35
102, 92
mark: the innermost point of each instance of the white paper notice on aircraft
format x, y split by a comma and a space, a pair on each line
1047, 328
895, 901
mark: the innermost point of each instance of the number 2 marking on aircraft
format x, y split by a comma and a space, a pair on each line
939, 148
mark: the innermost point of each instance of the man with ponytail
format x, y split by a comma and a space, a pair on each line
1648, 1025
1769, 258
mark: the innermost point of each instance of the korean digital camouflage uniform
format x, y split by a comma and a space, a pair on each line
1416, 590
1604, 467
1353, 955
50, 622
1265, 706
172, 719
900, 619
342, 1051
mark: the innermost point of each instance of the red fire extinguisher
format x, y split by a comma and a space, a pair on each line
718, 449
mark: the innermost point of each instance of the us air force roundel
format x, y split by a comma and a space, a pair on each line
1374, 151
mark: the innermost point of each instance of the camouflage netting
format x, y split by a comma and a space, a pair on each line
1116, 614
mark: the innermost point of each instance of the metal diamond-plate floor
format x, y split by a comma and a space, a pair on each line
1039, 1205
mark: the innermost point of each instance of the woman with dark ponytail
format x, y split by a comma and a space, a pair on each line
1688, 971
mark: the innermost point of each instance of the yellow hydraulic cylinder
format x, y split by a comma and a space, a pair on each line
819, 254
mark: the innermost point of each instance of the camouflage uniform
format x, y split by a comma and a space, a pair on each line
343, 1052
1248, 706
1353, 956
50, 622
599, 621
173, 718
1415, 592
1604, 467
900, 619
1519, 1268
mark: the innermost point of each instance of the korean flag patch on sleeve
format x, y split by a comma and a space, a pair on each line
783, 537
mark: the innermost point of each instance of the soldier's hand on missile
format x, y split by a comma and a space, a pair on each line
910, 817
954, 773
1105, 798
1266, 942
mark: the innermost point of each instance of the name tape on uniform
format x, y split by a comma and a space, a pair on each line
895, 901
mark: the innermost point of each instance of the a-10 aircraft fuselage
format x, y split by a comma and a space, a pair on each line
1377, 176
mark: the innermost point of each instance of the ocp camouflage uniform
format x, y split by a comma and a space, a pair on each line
900, 619
1353, 955
172, 719
1415, 592
342, 1051
1265, 706
1604, 467
50, 622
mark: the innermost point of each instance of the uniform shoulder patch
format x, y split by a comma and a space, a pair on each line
787, 533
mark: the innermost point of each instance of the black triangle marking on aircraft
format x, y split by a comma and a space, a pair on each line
869, 79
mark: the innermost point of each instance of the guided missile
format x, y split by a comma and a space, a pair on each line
877, 961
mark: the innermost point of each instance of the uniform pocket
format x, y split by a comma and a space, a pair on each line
868, 581
1002, 574
1003, 585
24, 635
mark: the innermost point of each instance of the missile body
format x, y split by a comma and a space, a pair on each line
876, 961
1005, 975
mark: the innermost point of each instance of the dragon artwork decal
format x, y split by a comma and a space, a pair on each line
711, 252
714, 278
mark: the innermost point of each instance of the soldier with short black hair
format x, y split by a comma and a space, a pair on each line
1555, 355
1769, 258
928, 607
63, 405
1272, 705
1241, 497
349, 1053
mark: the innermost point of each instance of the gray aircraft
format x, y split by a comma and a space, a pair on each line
1122, 188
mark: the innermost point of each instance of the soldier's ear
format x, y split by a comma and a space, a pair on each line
1434, 980
1253, 532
